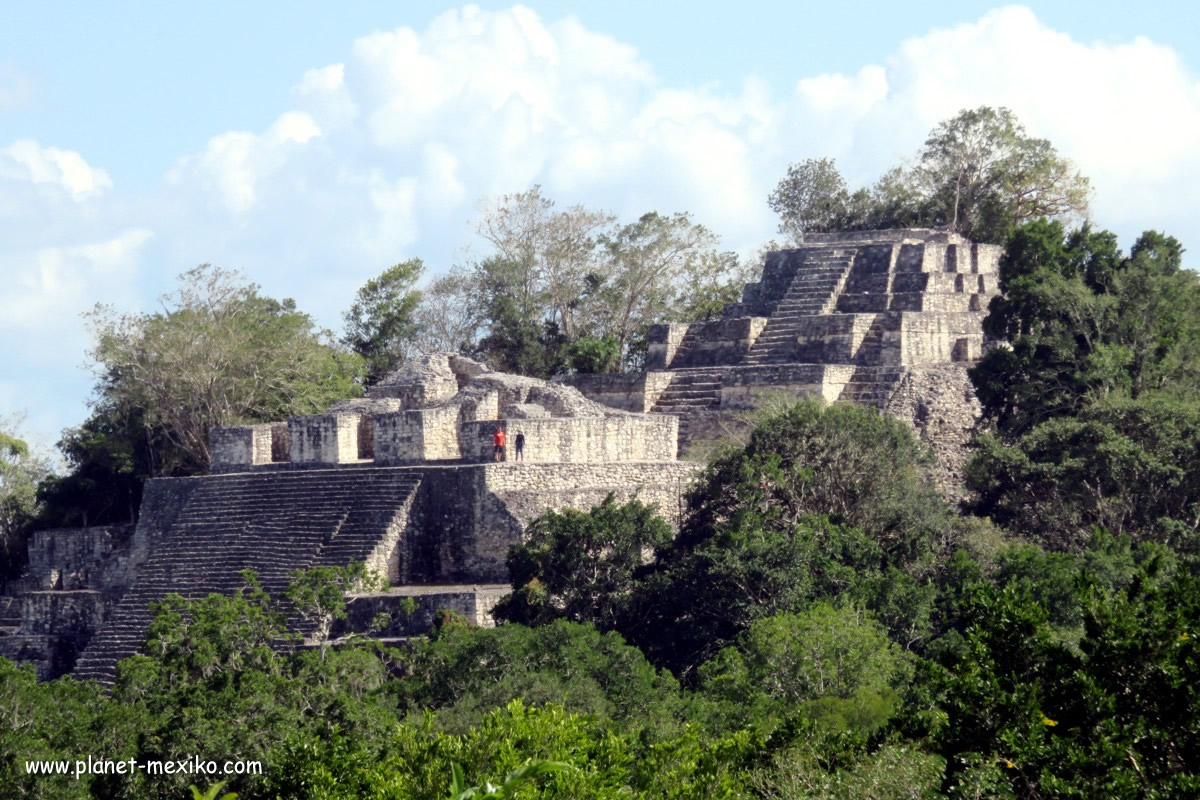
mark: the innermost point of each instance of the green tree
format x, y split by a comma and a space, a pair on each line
986, 176
1111, 717
590, 355
716, 281
811, 198
557, 278
821, 502
978, 174
318, 595
219, 353
651, 263
49, 721
833, 666
1094, 405
520, 338
553, 254
1128, 466
20, 472
381, 325
894, 772
580, 566
108, 458
463, 672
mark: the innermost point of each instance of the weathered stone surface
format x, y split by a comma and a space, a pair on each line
410, 610
81, 558
889, 318
403, 480
321, 438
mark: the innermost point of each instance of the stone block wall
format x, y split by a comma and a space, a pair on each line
411, 613
409, 437
575, 439
833, 338
939, 403
933, 338
240, 446
892, 235
663, 341
513, 495
163, 499
741, 389
435, 386
760, 299
627, 391
721, 341
486, 406
324, 438
466, 518
81, 558
54, 629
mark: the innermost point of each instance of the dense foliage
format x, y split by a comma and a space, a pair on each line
821, 623
573, 289
1095, 406
823, 626
978, 174
381, 323
20, 472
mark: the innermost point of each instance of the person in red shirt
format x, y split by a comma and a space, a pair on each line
498, 440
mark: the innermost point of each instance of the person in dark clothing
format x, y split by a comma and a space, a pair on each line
520, 443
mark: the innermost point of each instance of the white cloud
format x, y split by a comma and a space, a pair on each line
233, 164
64, 169
384, 155
1128, 113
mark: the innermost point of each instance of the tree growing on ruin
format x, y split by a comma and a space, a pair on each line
978, 174
561, 289
812, 198
984, 175
217, 353
553, 253
381, 325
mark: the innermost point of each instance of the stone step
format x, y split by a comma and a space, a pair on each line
275, 523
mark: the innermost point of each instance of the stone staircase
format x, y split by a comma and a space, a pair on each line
690, 390
274, 523
814, 290
873, 385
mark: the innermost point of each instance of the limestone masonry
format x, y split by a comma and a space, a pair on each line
405, 480
889, 318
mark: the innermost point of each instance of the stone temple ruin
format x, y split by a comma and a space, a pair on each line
404, 479
889, 318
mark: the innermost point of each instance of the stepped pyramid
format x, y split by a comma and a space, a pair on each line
405, 480
889, 318
272, 523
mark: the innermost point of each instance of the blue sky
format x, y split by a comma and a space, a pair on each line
313, 144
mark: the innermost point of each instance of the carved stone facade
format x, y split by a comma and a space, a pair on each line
890, 318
